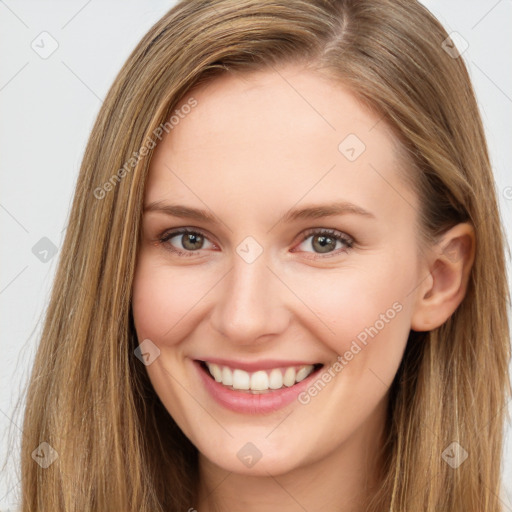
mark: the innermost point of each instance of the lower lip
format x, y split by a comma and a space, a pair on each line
248, 403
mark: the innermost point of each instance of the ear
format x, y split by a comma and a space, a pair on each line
448, 268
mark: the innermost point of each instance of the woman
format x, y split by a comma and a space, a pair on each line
282, 286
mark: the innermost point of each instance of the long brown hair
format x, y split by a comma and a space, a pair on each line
90, 398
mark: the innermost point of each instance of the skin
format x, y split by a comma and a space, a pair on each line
254, 147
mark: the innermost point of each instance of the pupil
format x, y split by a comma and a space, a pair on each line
325, 243
190, 239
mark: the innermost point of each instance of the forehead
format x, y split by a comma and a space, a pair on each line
291, 102
273, 138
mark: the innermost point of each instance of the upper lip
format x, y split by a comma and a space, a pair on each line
252, 366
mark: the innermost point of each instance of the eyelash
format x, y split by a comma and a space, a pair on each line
332, 233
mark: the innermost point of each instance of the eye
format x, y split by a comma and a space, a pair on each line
187, 242
326, 241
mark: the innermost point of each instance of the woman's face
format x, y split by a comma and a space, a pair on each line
300, 256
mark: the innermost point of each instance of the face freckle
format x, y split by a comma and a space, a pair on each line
305, 259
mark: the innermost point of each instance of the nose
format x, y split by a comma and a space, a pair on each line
250, 307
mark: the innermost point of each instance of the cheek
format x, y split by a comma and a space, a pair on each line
356, 307
162, 299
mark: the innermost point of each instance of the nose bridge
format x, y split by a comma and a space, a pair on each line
250, 304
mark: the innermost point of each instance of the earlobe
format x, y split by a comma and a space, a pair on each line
449, 267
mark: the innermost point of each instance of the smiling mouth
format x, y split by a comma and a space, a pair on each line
261, 381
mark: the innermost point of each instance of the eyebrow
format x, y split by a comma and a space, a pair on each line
308, 212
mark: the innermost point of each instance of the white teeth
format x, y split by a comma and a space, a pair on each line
302, 374
241, 379
227, 376
260, 380
216, 372
289, 377
276, 379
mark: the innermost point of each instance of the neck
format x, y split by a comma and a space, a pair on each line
343, 481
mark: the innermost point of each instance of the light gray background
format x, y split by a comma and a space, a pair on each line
47, 110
